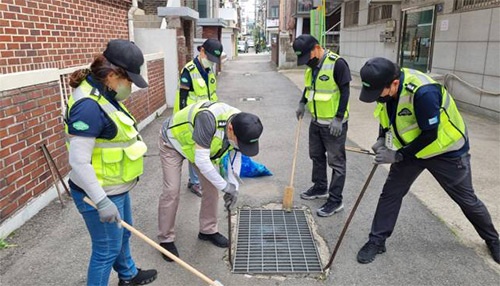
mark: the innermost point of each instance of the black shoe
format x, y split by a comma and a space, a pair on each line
367, 253
170, 246
329, 208
314, 193
143, 277
216, 238
494, 247
195, 189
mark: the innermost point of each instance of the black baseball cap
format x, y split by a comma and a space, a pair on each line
303, 46
126, 55
247, 128
376, 74
213, 50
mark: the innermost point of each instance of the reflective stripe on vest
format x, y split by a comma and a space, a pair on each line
118, 160
451, 130
181, 126
324, 97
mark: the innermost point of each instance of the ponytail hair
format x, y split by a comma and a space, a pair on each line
99, 69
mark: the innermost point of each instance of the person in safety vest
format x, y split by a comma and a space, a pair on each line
106, 157
197, 82
420, 128
203, 133
326, 96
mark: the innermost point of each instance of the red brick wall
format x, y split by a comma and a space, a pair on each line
29, 117
36, 34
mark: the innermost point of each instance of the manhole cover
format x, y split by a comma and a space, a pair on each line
275, 241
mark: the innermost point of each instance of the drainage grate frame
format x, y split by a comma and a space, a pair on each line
275, 241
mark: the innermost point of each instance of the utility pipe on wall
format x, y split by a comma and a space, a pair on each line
131, 13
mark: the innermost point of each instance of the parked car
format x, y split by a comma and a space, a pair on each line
242, 46
251, 43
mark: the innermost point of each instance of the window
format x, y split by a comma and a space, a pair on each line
463, 5
274, 12
379, 12
351, 13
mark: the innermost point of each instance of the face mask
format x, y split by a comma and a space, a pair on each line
206, 63
233, 143
123, 91
384, 99
312, 63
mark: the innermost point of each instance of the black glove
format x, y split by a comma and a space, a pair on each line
230, 196
387, 156
380, 143
108, 212
301, 110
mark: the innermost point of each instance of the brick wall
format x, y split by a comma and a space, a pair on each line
29, 117
57, 33
150, 7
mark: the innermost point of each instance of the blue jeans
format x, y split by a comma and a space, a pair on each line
110, 244
193, 177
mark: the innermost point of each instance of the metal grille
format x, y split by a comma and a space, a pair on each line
275, 241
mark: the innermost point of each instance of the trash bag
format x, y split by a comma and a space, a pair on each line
249, 167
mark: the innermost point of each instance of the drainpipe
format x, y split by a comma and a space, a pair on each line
131, 13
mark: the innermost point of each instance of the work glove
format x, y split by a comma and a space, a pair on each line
108, 212
380, 143
387, 156
336, 127
230, 196
301, 110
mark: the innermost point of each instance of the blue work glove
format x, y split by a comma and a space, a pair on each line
336, 127
380, 143
387, 156
108, 212
230, 196
301, 110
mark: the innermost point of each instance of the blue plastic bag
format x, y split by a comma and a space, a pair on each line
249, 167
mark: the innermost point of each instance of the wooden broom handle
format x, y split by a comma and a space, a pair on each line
297, 133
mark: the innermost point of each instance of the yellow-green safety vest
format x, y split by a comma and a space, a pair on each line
323, 97
200, 89
451, 134
181, 126
119, 160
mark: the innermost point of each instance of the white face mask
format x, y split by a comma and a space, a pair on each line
123, 91
206, 63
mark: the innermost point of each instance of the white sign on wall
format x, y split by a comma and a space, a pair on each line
444, 25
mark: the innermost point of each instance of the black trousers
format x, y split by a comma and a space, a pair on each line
325, 148
453, 174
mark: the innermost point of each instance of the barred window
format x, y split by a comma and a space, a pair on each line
351, 13
379, 12
464, 5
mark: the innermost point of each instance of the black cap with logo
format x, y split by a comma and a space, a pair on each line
213, 50
126, 55
247, 128
376, 74
303, 46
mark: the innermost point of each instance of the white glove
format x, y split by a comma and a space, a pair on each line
380, 143
230, 196
108, 212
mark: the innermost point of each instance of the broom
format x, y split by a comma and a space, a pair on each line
288, 195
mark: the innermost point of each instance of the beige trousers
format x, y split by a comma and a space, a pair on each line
171, 163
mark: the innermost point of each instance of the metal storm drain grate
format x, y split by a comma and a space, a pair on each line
275, 241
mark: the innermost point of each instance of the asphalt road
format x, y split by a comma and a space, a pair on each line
53, 248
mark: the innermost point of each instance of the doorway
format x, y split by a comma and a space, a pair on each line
417, 35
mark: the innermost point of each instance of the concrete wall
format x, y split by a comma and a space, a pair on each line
165, 41
228, 43
361, 42
468, 45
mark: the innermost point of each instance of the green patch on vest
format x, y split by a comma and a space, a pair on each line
324, 77
411, 87
332, 57
184, 80
80, 125
212, 80
191, 67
